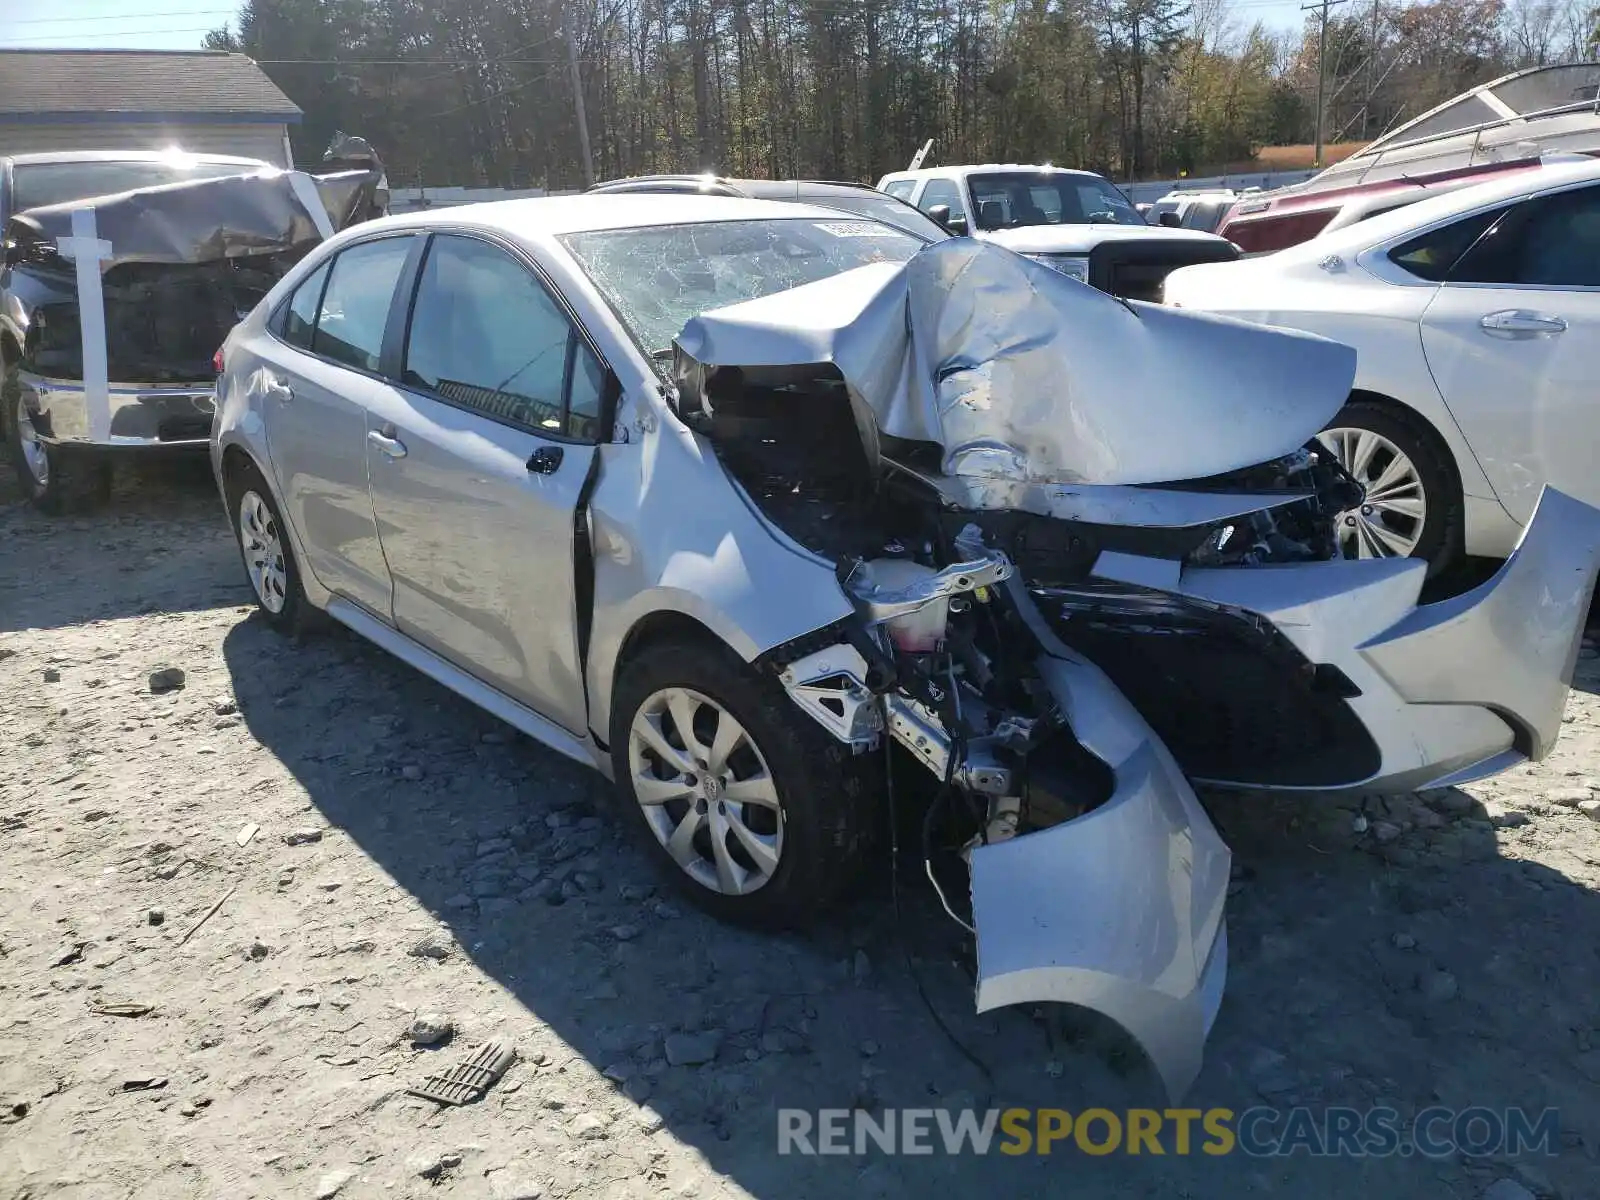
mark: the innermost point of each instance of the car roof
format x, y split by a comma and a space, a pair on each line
540, 218
766, 189
971, 168
57, 157
1444, 206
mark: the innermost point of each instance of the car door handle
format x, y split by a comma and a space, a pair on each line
544, 460
278, 386
1519, 322
392, 446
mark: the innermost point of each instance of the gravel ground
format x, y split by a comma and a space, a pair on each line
413, 865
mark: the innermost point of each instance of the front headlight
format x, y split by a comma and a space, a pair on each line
1075, 265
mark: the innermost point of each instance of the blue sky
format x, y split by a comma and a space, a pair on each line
180, 24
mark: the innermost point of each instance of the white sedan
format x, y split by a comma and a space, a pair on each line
1476, 320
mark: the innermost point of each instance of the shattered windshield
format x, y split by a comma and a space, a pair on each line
657, 278
34, 185
1015, 199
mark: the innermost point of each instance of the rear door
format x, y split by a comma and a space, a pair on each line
318, 375
478, 454
1513, 339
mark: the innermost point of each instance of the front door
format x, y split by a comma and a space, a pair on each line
317, 375
477, 460
1513, 339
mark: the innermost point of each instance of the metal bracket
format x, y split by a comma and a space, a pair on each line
829, 687
922, 733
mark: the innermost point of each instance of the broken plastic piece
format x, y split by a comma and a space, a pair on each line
471, 1081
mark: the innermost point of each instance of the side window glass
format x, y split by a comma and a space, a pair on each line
1432, 255
901, 189
942, 191
487, 336
1553, 241
355, 307
300, 313
588, 388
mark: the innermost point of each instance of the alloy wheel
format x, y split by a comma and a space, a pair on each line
263, 552
1388, 523
34, 455
705, 790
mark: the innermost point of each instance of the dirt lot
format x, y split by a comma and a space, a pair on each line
415, 858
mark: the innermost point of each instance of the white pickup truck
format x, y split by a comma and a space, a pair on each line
1075, 221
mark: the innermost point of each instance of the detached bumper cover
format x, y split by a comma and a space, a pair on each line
1120, 910
1453, 691
1509, 645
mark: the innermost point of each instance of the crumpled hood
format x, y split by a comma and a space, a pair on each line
1023, 374
206, 220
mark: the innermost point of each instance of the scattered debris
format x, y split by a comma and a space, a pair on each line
210, 912
225, 708
73, 954
430, 1029
155, 916
244, 835
1590, 809
120, 1010
166, 679
471, 1080
302, 837
144, 1083
331, 1184
51, 675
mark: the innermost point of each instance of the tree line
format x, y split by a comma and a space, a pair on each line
485, 92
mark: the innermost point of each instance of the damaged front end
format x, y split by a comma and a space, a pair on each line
118, 303
1090, 551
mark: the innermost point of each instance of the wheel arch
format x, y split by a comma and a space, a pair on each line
1416, 420
653, 628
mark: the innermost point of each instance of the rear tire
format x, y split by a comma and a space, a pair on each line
771, 835
55, 481
264, 548
1414, 506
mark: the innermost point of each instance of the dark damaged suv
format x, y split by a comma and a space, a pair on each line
123, 273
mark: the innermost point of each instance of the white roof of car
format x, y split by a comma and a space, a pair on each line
969, 169
1459, 202
543, 217
56, 157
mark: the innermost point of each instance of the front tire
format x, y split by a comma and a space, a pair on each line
754, 812
55, 481
264, 548
1413, 503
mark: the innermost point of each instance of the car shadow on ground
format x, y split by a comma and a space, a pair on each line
1373, 962
197, 567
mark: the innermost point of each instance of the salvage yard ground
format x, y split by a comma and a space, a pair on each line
406, 856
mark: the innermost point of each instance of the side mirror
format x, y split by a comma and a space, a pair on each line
957, 226
13, 254
1170, 220
941, 214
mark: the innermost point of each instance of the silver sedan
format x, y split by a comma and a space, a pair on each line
778, 518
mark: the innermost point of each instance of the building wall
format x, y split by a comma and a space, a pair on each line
256, 140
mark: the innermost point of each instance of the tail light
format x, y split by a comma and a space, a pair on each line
216, 360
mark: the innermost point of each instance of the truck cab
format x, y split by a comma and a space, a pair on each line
1077, 222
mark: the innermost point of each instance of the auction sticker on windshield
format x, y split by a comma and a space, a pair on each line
854, 228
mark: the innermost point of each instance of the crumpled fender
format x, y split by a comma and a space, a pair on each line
1119, 910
